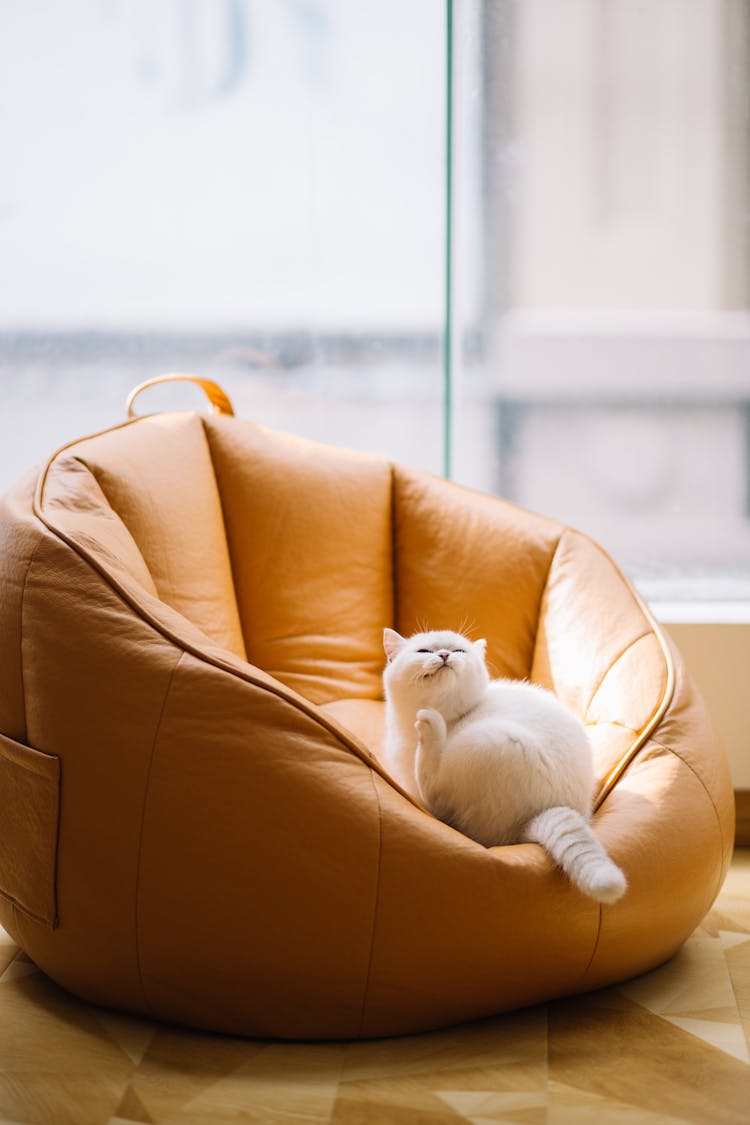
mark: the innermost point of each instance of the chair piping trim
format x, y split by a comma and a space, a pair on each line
656, 630
662, 706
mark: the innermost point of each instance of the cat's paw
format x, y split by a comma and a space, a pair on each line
430, 724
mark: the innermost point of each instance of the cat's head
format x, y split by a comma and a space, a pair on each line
441, 669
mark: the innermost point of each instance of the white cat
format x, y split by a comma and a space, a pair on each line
503, 761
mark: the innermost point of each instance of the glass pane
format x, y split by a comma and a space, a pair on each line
250, 190
604, 372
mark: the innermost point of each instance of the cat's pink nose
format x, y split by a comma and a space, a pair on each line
445, 656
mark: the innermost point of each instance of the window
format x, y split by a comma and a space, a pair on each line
255, 191
605, 375
252, 190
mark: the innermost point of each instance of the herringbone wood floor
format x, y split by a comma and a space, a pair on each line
666, 1048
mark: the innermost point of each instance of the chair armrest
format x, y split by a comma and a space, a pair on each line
602, 653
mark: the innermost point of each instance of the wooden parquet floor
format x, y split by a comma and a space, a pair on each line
667, 1048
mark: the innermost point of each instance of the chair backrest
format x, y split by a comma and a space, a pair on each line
294, 555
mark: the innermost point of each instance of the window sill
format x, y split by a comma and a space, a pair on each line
670, 612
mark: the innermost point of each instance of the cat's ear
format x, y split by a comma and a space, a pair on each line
393, 642
481, 647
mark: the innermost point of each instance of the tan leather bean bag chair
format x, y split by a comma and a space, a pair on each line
193, 822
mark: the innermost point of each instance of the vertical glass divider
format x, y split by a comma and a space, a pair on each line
448, 313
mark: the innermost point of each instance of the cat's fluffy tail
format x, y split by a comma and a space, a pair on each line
567, 837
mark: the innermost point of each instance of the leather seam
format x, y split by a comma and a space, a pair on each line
21, 615
564, 531
165, 568
41, 777
662, 707
610, 667
595, 949
38, 918
375, 908
91, 470
230, 553
609, 723
17, 906
669, 750
139, 860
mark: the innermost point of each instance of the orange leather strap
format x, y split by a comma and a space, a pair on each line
220, 403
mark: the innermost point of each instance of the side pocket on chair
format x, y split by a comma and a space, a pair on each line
29, 814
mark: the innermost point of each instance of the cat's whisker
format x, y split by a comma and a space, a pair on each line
468, 628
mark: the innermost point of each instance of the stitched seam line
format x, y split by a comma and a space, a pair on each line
91, 470
668, 750
609, 723
146, 789
701, 782
376, 904
612, 665
230, 553
56, 782
18, 905
30, 769
21, 613
664, 703
595, 950
543, 594
164, 561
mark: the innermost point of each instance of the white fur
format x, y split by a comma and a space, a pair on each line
503, 761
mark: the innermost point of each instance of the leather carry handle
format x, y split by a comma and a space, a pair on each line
219, 400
